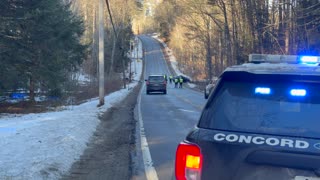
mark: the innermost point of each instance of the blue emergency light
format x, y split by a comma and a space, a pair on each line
309, 60
262, 90
298, 92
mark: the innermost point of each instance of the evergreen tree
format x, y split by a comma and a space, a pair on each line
41, 40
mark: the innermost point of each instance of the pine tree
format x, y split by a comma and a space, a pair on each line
42, 42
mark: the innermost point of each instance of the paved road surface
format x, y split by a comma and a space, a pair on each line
166, 118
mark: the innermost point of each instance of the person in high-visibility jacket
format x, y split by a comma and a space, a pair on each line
165, 77
180, 82
170, 78
176, 81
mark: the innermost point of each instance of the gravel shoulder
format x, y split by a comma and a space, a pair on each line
109, 153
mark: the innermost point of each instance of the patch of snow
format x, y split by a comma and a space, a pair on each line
40, 98
192, 85
12, 101
45, 145
82, 77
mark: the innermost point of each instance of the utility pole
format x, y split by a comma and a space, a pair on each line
101, 53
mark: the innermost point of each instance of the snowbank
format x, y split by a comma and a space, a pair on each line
45, 145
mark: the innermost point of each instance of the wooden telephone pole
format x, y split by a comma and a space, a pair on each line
101, 53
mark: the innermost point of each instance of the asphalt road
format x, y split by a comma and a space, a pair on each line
166, 118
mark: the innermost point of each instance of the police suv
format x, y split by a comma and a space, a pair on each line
261, 122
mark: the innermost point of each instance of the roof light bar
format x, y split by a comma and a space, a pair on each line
290, 59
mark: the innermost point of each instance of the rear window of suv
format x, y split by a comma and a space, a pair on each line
265, 104
156, 78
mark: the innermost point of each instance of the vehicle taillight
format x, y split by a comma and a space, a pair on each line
165, 82
188, 162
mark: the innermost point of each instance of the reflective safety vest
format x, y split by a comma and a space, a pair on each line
176, 80
180, 80
170, 77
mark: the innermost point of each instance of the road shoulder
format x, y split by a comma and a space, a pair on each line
108, 155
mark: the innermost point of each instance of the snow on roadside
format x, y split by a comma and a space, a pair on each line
191, 85
45, 145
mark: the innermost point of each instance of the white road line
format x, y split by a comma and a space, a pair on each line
185, 110
150, 171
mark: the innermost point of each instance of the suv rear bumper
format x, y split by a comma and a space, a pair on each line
156, 88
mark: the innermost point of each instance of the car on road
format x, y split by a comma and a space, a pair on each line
209, 87
261, 121
156, 83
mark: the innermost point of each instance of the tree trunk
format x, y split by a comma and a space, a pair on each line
287, 40
124, 67
281, 25
31, 88
124, 73
250, 18
208, 57
236, 55
112, 54
228, 47
287, 27
221, 50
94, 67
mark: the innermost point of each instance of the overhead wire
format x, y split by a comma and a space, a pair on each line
111, 19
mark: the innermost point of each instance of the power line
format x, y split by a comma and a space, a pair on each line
109, 11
